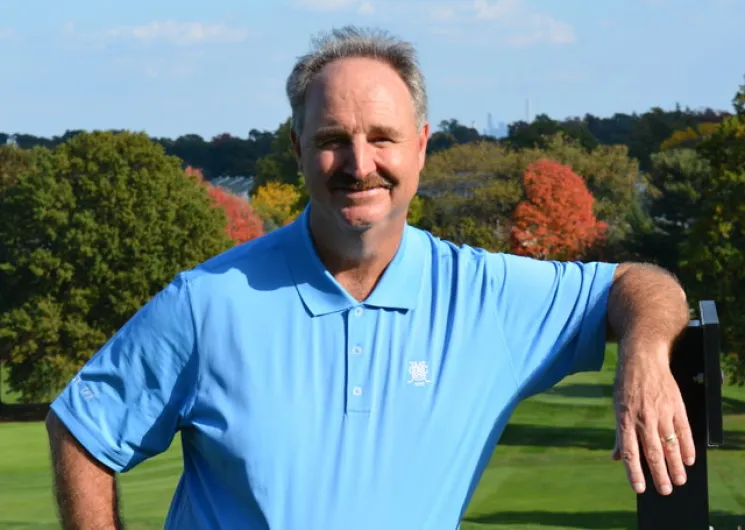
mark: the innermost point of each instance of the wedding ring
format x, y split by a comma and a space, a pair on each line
670, 438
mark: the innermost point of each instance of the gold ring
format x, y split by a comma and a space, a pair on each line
670, 438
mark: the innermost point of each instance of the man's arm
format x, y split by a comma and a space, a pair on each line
646, 302
84, 488
647, 311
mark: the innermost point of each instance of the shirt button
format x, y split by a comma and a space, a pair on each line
357, 391
357, 350
358, 312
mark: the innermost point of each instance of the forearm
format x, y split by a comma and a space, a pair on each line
85, 490
647, 305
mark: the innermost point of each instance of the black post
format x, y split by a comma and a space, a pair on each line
696, 367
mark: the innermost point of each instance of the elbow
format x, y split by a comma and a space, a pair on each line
51, 422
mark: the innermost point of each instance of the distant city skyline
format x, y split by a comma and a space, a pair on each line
177, 67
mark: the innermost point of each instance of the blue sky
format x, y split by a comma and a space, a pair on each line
176, 67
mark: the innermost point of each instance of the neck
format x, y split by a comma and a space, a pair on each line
356, 259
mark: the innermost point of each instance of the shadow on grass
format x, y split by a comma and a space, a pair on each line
582, 390
597, 438
589, 438
589, 520
733, 406
19, 412
733, 440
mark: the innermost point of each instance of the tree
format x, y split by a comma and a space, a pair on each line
280, 164
242, 222
12, 161
462, 173
535, 134
556, 220
452, 132
672, 202
278, 204
91, 231
713, 257
611, 176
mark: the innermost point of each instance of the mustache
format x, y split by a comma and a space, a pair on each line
348, 182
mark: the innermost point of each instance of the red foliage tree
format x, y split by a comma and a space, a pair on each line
243, 223
555, 220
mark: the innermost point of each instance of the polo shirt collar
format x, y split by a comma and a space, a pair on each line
398, 288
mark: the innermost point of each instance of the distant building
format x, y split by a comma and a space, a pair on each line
498, 130
240, 186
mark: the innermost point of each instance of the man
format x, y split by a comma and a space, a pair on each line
351, 371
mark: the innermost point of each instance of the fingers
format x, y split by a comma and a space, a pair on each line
655, 456
629, 451
667, 446
685, 436
670, 443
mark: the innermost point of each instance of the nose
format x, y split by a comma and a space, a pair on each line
360, 158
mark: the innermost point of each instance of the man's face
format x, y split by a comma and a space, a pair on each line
360, 150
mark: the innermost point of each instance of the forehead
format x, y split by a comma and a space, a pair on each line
358, 89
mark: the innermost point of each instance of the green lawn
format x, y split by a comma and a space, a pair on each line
552, 470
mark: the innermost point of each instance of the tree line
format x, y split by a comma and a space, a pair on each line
93, 224
229, 155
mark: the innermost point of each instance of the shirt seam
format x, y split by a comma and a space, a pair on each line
503, 338
101, 452
189, 407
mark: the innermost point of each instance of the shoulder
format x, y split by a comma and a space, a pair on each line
246, 266
501, 269
449, 258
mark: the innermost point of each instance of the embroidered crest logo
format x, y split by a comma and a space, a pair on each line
418, 371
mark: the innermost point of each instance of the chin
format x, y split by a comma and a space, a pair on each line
361, 218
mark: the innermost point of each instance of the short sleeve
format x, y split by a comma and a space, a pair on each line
553, 317
128, 401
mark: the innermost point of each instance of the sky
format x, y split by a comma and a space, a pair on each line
175, 67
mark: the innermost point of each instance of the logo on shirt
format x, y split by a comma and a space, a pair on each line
418, 371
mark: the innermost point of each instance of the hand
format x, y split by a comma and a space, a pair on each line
651, 417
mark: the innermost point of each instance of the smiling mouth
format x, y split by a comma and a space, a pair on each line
360, 190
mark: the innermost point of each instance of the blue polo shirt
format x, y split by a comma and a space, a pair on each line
300, 408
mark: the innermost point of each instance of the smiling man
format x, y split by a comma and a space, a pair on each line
349, 370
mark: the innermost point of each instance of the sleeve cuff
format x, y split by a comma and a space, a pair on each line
89, 440
593, 336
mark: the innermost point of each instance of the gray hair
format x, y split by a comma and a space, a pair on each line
348, 42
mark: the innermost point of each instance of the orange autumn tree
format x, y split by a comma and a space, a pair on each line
243, 224
555, 220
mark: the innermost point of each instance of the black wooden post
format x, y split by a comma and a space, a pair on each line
696, 366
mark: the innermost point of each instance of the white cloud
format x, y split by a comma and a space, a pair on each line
364, 7
497, 9
183, 67
179, 33
441, 13
7, 34
543, 28
513, 23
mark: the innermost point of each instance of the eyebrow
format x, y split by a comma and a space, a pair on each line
335, 131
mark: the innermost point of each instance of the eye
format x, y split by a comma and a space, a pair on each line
331, 143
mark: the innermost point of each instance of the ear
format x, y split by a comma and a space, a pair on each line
296, 146
423, 140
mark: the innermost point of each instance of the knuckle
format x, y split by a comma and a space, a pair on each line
654, 456
647, 416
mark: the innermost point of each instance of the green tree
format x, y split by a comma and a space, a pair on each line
280, 165
672, 202
713, 258
91, 231
459, 174
277, 204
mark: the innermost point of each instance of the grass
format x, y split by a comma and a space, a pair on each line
552, 470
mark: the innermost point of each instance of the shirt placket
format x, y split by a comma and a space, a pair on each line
359, 362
